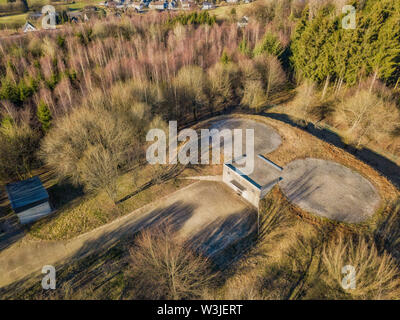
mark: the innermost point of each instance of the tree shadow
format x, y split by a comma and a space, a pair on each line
386, 167
64, 192
225, 240
301, 188
10, 228
172, 173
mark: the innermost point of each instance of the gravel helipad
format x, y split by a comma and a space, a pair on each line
266, 139
330, 190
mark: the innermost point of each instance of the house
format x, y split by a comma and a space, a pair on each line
158, 5
243, 22
187, 5
74, 16
28, 27
208, 6
29, 199
139, 6
255, 186
172, 5
35, 15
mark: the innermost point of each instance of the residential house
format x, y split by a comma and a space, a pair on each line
187, 5
158, 5
139, 6
208, 6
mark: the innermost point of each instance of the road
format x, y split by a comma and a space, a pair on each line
207, 212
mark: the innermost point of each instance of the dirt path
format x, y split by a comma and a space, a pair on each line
198, 211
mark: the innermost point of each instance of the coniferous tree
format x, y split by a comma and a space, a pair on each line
44, 115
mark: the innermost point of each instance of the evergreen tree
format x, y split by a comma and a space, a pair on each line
225, 58
44, 115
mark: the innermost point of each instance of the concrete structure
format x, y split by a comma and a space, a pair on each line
29, 199
255, 186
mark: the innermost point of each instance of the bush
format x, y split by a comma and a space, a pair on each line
97, 141
18, 145
364, 117
190, 86
223, 81
164, 267
377, 275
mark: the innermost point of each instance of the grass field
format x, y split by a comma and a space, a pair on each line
223, 12
18, 19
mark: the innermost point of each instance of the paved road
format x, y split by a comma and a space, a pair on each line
207, 212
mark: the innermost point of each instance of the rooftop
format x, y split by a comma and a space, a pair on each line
265, 171
24, 194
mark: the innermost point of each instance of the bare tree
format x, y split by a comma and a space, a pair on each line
163, 266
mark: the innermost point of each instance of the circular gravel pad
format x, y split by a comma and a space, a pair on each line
266, 139
330, 190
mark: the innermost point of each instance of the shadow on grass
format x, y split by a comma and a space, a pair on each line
63, 193
225, 240
164, 177
10, 229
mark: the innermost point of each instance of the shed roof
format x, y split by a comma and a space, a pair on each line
23, 194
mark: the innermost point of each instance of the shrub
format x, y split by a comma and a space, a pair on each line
376, 273
96, 141
254, 96
18, 145
190, 85
164, 267
364, 117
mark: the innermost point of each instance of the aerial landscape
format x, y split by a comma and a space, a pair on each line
200, 150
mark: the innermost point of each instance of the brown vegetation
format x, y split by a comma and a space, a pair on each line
164, 267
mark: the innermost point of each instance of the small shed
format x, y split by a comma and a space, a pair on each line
29, 199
